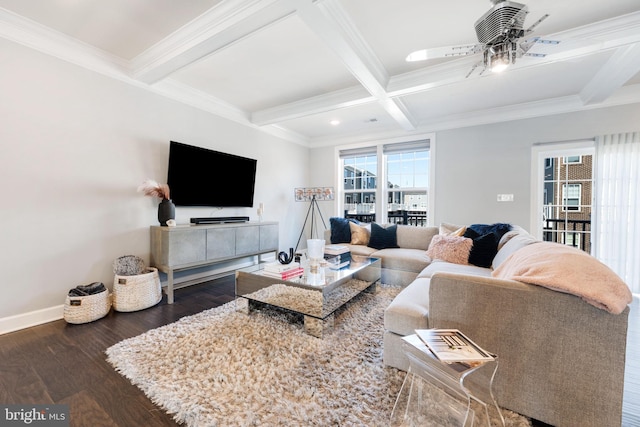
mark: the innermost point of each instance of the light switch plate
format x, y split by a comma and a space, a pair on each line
505, 197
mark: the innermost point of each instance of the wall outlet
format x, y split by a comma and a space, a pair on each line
505, 197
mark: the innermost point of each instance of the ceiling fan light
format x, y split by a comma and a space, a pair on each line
499, 66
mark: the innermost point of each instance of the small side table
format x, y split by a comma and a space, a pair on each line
441, 394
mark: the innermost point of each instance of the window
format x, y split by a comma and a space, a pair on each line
407, 167
390, 178
572, 159
609, 193
571, 197
360, 175
565, 194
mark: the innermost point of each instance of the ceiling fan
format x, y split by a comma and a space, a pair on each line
500, 33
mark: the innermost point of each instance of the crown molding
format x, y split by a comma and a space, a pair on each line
187, 95
549, 107
54, 43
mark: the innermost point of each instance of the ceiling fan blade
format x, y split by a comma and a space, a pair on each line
527, 44
444, 52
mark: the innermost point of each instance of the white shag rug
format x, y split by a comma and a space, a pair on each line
221, 367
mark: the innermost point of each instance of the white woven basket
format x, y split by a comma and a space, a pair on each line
85, 309
132, 293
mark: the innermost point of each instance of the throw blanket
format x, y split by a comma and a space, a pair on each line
566, 269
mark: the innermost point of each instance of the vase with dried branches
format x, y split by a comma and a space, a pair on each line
166, 208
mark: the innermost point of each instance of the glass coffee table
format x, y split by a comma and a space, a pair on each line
315, 296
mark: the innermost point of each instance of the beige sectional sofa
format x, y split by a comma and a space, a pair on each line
561, 359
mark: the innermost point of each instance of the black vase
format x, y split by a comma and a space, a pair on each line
166, 211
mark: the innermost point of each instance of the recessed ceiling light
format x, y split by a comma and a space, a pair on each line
335, 122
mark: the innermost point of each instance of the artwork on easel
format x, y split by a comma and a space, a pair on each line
306, 194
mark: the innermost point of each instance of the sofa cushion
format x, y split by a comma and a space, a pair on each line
453, 249
340, 231
409, 310
447, 267
403, 259
360, 234
382, 238
514, 243
361, 250
410, 236
448, 229
515, 231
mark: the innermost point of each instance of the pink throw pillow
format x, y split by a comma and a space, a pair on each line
453, 249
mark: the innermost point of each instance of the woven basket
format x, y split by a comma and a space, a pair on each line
85, 309
132, 293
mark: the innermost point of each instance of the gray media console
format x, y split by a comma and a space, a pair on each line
190, 246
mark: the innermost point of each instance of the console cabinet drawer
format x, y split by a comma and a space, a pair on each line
221, 243
187, 246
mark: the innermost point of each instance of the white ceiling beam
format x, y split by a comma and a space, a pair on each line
332, 25
622, 66
219, 27
344, 98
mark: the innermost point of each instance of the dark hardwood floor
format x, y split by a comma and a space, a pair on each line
62, 363
66, 364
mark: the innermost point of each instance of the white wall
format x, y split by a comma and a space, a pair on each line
74, 146
473, 165
495, 159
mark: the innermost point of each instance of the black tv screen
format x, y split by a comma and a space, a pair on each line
202, 177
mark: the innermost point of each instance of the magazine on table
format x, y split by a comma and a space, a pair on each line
451, 345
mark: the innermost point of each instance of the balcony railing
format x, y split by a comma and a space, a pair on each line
408, 217
418, 218
572, 232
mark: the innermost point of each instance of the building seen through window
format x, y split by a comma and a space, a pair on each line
568, 183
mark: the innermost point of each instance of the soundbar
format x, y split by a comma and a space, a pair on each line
219, 219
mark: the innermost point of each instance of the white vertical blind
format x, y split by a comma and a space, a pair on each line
617, 205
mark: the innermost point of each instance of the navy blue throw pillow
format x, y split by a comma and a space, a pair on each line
483, 250
499, 229
340, 231
485, 242
382, 238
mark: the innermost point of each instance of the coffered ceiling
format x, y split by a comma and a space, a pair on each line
291, 67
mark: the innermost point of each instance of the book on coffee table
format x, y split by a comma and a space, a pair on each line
276, 267
451, 345
336, 249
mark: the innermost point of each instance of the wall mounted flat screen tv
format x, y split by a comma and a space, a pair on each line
203, 177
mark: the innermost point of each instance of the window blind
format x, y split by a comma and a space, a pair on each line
403, 147
357, 152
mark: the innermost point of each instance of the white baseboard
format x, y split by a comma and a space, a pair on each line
33, 318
